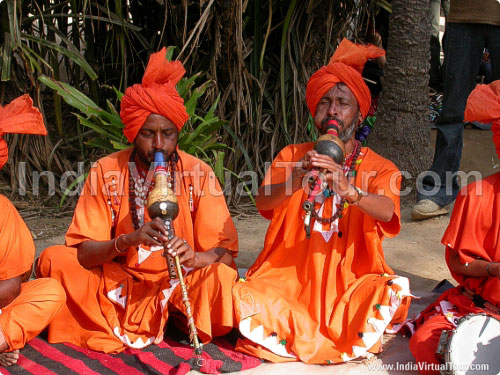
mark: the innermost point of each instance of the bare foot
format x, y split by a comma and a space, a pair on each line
9, 359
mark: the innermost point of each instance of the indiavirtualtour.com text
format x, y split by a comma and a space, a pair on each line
481, 368
242, 185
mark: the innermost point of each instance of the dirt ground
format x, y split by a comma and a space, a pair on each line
416, 252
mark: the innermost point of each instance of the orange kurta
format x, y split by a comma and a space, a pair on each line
329, 298
40, 300
125, 302
473, 232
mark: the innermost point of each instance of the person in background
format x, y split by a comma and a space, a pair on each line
471, 26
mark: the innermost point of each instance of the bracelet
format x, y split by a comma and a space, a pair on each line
488, 268
116, 244
361, 194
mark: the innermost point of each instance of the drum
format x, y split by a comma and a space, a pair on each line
473, 347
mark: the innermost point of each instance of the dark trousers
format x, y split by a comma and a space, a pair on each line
463, 49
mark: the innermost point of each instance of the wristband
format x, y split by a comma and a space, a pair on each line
116, 244
488, 269
361, 194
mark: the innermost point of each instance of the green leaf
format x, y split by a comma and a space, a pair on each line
219, 166
74, 56
385, 5
66, 192
6, 60
243, 150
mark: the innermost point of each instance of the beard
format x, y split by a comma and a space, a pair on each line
149, 158
345, 132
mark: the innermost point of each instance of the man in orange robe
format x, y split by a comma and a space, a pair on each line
25, 307
330, 297
472, 247
119, 294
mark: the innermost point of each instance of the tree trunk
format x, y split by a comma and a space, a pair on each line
402, 132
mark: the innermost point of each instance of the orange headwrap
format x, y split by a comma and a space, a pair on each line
345, 66
19, 117
483, 105
156, 94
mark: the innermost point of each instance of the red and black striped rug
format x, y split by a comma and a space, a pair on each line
170, 357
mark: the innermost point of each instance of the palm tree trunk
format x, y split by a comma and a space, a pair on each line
402, 132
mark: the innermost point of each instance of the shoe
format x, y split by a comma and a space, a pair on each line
477, 125
425, 209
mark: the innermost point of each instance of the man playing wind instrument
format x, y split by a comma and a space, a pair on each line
327, 298
119, 291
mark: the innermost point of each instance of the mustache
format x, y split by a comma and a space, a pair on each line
151, 155
324, 124
327, 119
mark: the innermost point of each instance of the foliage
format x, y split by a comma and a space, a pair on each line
198, 137
256, 54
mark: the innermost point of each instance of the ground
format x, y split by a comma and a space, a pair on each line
415, 253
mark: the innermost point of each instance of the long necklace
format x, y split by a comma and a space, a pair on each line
141, 184
349, 171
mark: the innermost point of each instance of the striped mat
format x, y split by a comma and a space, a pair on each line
170, 357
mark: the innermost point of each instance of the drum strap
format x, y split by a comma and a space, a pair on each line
480, 302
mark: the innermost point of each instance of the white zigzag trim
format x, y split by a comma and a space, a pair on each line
370, 338
378, 325
167, 293
138, 344
387, 313
359, 351
257, 335
404, 284
345, 357
114, 295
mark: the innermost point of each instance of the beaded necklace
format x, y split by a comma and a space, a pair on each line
349, 170
141, 184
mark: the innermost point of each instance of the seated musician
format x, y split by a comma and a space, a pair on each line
330, 297
472, 246
26, 307
119, 293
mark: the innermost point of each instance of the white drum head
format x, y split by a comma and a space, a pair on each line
475, 346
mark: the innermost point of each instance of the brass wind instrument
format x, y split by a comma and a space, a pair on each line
328, 144
162, 203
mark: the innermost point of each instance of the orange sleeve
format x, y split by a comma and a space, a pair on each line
92, 219
213, 226
471, 223
17, 249
380, 176
281, 168
473, 233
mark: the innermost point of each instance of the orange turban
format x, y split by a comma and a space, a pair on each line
156, 94
19, 117
345, 66
483, 105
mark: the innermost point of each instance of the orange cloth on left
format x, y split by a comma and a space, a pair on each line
125, 302
328, 298
157, 94
345, 66
19, 116
40, 300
